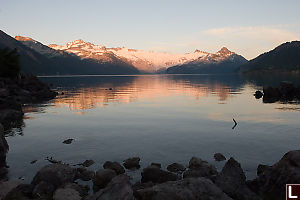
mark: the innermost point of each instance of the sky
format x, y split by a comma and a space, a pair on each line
247, 27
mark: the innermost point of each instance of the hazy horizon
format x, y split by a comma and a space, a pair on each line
247, 28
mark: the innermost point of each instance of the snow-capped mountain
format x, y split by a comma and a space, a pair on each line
147, 61
50, 61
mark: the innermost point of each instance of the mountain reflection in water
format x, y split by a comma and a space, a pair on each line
161, 118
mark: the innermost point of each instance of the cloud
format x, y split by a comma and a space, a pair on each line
271, 34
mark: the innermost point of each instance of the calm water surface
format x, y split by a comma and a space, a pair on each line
160, 118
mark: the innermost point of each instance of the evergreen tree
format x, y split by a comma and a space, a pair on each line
9, 63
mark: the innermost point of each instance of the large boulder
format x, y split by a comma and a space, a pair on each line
157, 175
6, 187
117, 167
84, 174
66, 194
186, 189
271, 180
102, 178
55, 174
118, 189
132, 163
22, 191
176, 167
219, 157
232, 181
200, 168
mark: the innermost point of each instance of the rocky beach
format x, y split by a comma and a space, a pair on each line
196, 180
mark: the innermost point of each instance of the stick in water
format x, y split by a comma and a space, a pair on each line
234, 123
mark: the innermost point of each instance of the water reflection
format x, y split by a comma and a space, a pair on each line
159, 118
81, 93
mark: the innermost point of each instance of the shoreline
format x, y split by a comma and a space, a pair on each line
198, 178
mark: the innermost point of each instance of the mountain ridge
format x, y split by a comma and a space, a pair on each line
283, 58
145, 61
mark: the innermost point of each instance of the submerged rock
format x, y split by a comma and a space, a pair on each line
102, 178
68, 141
88, 163
156, 175
176, 167
219, 157
119, 188
117, 167
186, 189
258, 94
132, 163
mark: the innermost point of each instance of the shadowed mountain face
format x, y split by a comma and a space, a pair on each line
284, 58
224, 61
39, 59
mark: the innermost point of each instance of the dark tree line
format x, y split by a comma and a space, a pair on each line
9, 63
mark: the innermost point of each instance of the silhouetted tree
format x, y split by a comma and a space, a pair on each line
9, 63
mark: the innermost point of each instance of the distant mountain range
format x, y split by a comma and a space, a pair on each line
145, 61
284, 58
79, 57
224, 61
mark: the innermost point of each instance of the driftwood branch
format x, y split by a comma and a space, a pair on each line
235, 123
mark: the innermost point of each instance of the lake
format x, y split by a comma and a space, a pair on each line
160, 118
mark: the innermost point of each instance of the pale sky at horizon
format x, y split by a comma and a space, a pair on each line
246, 27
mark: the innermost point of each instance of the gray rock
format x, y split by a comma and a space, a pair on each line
186, 189
176, 167
232, 181
156, 175
119, 169
102, 178
82, 190
271, 181
6, 187
88, 163
22, 191
132, 163
68, 141
262, 168
118, 189
156, 165
192, 173
3, 147
55, 174
138, 185
43, 189
200, 168
66, 194
84, 174
219, 157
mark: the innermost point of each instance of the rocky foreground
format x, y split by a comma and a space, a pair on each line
198, 181
16, 92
